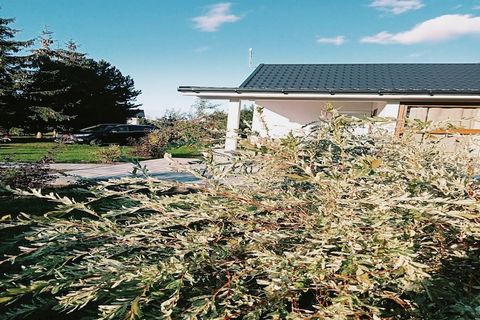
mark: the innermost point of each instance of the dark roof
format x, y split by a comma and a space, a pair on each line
425, 78
139, 113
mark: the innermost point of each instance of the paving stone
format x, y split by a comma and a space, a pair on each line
160, 168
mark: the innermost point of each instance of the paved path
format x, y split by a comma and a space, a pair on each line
160, 168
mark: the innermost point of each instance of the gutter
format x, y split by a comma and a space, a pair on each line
231, 94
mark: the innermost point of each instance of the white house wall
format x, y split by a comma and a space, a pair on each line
387, 110
282, 117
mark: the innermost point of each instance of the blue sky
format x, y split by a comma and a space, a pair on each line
166, 43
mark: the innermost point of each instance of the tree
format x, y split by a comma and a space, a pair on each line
104, 95
70, 91
48, 93
58, 88
13, 72
246, 118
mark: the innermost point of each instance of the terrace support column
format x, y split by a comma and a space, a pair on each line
390, 110
233, 123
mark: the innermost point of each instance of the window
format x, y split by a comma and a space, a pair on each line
120, 129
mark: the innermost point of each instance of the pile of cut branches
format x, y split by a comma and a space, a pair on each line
336, 225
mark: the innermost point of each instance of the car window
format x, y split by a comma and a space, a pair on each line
97, 128
120, 129
141, 128
136, 128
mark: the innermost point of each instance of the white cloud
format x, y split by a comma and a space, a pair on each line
338, 40
434, 30
217, 15
397, 6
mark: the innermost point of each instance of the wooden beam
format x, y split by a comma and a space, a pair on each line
400, 126
447, 104
454, 131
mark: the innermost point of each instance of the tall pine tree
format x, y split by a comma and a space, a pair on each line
48, 95
13, 74
58, 88
71, 91
107, 96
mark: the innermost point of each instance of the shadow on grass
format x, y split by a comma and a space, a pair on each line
453, 293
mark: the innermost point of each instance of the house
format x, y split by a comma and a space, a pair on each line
136, 116
293, 95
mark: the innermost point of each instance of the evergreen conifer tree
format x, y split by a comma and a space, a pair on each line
48, 91
13, 74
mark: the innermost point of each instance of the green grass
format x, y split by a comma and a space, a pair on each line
187, 151
73, 153
35, 151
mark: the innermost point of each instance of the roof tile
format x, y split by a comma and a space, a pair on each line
367, 78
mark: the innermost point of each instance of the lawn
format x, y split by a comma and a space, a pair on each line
73, 153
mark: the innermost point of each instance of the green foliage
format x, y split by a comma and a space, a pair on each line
331, 226
13, 72
104, 94
246, 117
154, 144
23, 176
44, 96
109, 154
203, 127
58, 88
71, 91
14, 131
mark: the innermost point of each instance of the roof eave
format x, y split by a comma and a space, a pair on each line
264, 94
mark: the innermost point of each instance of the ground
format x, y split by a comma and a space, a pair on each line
86, 174
74, 153
162, 168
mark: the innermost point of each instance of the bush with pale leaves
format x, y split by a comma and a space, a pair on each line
331, 226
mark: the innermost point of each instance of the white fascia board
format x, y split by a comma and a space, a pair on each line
332, 97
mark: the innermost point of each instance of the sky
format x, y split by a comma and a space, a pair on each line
163, 44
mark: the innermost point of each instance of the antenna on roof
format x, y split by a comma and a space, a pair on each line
250, 58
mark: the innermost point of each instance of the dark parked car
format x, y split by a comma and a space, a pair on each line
108, 133
5, 137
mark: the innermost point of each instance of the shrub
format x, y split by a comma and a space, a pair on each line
16, 131
154, 144
109, 154
331, 226
203, 127
24, 175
